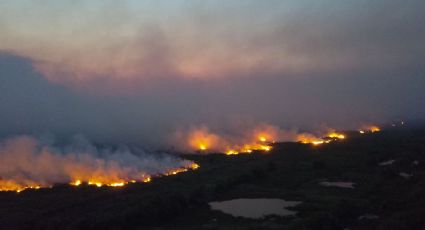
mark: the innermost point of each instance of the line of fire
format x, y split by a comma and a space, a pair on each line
201, 143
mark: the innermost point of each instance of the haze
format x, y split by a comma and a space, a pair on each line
135, 72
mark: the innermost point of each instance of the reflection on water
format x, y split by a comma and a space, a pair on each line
255, 208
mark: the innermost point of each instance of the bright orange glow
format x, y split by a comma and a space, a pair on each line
336, 135
232, 152
266, 148
374, 129
193, 166
307, 138
98, 184
76, 183
370, 128
10, 185
317, 142
259, 139
202, 139
202, 147
51, 168
262, 139
117, 184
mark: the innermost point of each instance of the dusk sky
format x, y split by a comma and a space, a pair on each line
137, 71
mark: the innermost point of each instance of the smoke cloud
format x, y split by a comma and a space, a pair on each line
27, 162
201, 139
134, 72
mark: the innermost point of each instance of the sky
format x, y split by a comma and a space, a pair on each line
137, 71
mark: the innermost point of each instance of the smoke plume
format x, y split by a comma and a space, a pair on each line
26, 162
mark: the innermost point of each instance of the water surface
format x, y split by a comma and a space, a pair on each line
255, 208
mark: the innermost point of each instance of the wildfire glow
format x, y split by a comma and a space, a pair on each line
307, 138
370, 128
201, 139
266, 148
231, 152
76, 183
193, 166
260, 138
25, 164
10, 185
202, 147
336, 135
144, 178
374, 129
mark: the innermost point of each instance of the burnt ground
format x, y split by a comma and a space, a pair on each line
290, 171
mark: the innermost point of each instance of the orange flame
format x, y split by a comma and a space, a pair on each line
99, 182
11, 185
307, 138
203, 140
336, 135
370, 129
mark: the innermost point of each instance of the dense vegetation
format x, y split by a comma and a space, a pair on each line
290, 171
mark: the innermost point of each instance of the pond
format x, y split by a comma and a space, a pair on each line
255, 208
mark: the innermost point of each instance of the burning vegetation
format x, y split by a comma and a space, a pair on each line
26, 164
369, 129
202, 140
307, 138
